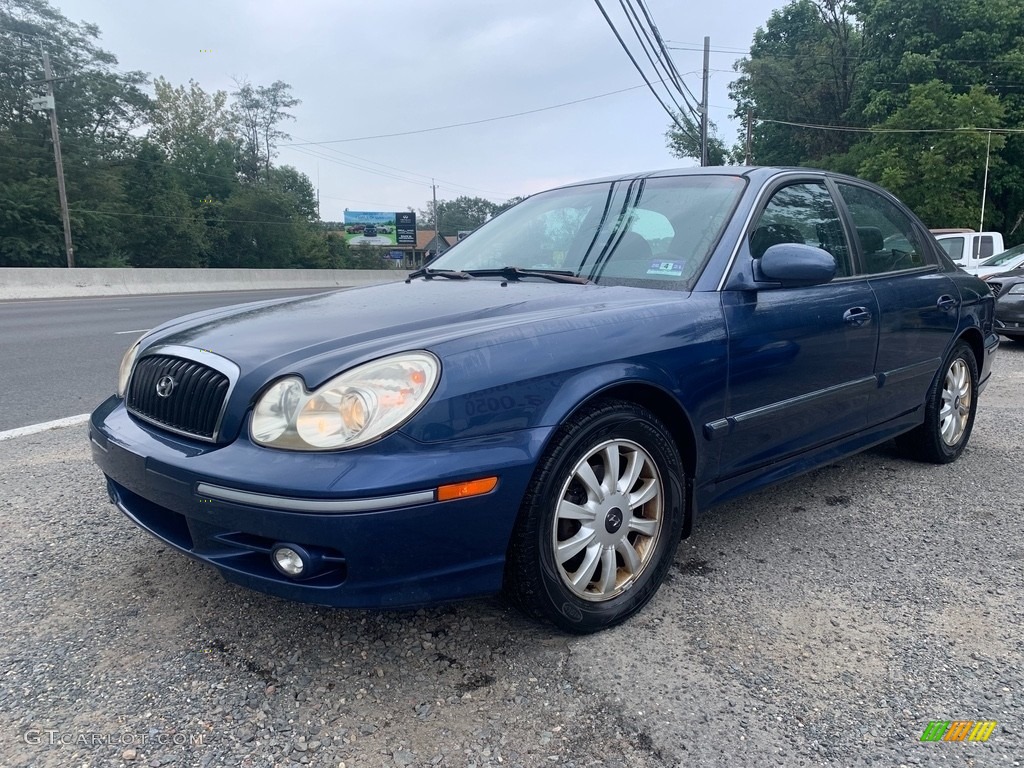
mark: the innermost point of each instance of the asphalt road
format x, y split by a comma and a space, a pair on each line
823, 622
59, 357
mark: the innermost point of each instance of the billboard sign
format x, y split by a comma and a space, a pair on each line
405, 228
378, 227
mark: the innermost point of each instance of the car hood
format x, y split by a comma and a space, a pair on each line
319, 336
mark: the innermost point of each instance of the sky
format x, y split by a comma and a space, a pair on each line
363, 68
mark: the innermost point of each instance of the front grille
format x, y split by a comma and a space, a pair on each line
195, 400
996, 288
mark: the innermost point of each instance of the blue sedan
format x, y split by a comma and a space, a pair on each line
547, 407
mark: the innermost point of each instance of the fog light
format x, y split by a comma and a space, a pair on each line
290, 560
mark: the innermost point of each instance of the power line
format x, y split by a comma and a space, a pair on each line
649, 48
393, 168
469, 122
680, 83
787, 56
639, 69
856, 129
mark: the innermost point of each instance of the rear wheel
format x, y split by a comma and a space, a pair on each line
949, 411
600, 523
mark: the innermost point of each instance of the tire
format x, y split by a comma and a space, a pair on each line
948, 420
586, 553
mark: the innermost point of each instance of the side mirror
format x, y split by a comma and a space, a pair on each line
795, 264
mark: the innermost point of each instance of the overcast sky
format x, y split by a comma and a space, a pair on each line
370, 67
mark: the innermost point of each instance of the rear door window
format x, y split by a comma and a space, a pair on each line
888, 239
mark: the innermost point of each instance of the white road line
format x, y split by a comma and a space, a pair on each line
137, 330
32, 429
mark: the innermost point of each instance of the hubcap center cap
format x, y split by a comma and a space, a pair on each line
613, 520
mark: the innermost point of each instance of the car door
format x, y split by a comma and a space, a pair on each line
918, 302
800, 359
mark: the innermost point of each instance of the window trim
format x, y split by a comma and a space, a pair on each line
785, 178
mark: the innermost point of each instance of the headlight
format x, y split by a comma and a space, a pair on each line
349, 410
127, 363
1018, 288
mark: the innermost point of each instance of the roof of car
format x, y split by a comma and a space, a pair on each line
762, 172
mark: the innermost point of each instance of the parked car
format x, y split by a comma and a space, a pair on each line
490, 424
1001, 262
1009, 290
969, 249
369, 231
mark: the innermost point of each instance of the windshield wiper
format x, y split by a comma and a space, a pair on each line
428, 273
515, 273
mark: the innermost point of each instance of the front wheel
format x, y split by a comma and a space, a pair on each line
949, 411
599, 525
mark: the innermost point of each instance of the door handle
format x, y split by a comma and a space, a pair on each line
856, 316
946, 303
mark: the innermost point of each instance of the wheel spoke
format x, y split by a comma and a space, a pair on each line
632, 473
947, 410
948, 429
611, 468
571, 547
648, 490
630, 556
569, 511
643, 526
586, 475
582, 577
609, 570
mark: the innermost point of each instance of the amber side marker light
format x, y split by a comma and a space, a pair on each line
469, 488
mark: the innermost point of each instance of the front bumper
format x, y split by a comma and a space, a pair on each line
1010, 314
368, 515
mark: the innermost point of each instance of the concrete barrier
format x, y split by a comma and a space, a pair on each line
52, 283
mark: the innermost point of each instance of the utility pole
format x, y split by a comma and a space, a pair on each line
52, 109
437, 221
750, 137
704, 105
984, 188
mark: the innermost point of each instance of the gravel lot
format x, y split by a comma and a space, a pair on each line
821, 623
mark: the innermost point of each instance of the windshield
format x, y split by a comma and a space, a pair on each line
654, 233
1005, 257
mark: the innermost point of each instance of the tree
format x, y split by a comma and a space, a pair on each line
171, 233
902, 92
299, 189
940, 176
193, 130
99, 110
801, 68
965, 45
257, 112
501, 207
685, 142
180, 116
462, 213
